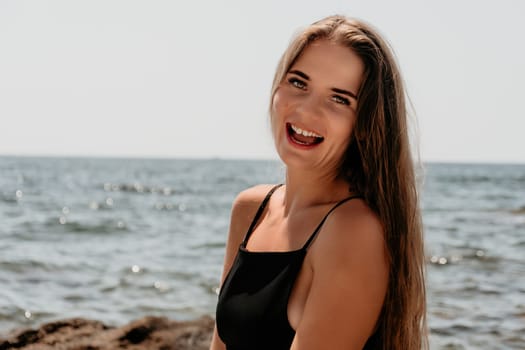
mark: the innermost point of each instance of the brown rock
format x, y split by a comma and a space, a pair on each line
154, 333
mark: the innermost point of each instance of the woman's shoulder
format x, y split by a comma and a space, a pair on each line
353, 232
252, 196
244, 208
357, 217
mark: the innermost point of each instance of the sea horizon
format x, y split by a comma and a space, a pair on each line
233, 158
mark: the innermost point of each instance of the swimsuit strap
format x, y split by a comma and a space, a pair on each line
259, 213
318, 228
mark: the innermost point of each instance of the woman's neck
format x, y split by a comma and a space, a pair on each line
307, 189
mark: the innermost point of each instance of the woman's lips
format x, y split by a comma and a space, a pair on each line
302, 138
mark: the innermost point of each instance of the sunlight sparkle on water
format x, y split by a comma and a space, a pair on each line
160, 286
480, 253
440, 260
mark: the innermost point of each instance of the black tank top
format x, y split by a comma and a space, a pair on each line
252, 306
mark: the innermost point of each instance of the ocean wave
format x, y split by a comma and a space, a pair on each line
104, 226
519, 211
11, 198
137, 187
27, 265
457, 257
464, 179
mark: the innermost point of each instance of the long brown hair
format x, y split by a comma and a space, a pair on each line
378, 164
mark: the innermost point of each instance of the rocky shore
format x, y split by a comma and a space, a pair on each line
152, 333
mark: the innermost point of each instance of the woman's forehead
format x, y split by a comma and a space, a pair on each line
326, 61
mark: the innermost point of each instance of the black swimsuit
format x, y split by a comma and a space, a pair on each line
253, 301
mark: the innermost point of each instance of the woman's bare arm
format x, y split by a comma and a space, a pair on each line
349, 283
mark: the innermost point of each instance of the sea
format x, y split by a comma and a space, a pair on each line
118, 239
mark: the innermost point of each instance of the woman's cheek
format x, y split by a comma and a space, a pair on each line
277, 101
275, 114
279, 109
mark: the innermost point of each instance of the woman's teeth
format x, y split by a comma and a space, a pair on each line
303, 137
298, 130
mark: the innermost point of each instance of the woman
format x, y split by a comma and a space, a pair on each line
334, 258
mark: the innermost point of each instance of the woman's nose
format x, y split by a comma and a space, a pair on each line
310, 107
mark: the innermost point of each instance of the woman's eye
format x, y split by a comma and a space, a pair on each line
340, 99
297, 83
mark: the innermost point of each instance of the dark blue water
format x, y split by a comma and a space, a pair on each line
117, 239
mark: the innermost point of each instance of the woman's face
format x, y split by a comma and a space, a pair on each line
314, 107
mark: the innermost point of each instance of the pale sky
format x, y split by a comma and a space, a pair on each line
192, 78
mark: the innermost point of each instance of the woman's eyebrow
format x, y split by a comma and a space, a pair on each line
299, 73
336, 90
344, 92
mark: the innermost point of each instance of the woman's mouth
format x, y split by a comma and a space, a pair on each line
303, 138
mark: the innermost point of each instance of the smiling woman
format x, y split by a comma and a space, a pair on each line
314, 98
332, 259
